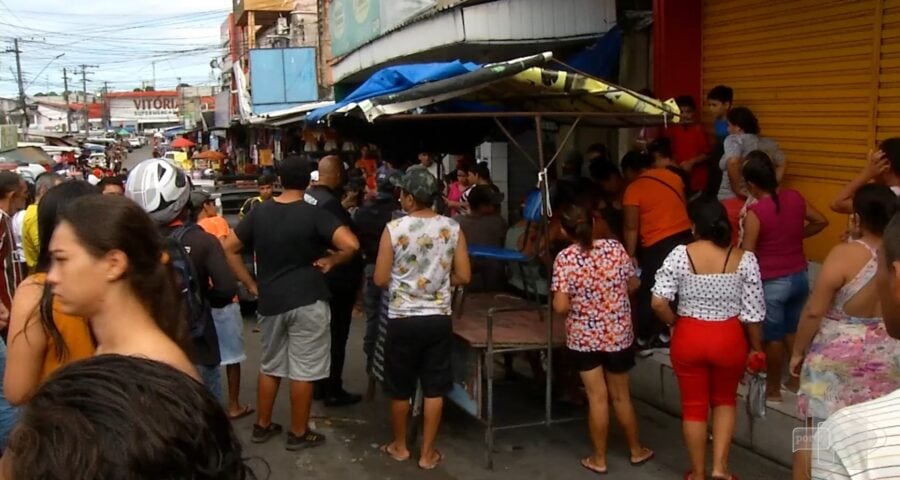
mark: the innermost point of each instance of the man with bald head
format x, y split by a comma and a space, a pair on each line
343, 281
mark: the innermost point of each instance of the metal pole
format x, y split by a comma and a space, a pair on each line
513, 141
565, 141
66, 97
84, 105
21, 84
548, 393
489, 372
106, 120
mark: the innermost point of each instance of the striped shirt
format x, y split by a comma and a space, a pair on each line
860, 442
12, 273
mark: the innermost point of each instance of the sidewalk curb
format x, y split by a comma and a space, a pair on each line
653, 382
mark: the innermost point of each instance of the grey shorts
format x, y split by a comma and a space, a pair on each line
297, 344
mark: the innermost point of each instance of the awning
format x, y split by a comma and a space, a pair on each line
285, 116
515, 88
26, 155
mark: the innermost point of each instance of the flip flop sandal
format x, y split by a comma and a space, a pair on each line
649, 454
386, 449
247, 410
440, 458
586, 463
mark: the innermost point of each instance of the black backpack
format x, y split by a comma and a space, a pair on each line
197, 308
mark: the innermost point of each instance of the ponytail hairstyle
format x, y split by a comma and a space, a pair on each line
578, 225
104, 223
48, 217
760, 171
710, 221
743, 118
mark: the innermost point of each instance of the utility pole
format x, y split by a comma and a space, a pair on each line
66, 98
107, 121
22, 105
154, 75
84, 72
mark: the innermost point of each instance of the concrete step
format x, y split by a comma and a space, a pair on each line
653, 381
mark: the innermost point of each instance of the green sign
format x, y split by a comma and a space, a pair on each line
9, 138
353, 23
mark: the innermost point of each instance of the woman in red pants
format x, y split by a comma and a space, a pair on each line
718, 289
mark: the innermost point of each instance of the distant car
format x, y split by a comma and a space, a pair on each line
97, 160
31, 171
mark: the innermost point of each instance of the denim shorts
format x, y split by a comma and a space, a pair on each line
785, 298
230, 330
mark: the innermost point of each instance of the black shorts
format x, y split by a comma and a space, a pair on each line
418, 349
613, 362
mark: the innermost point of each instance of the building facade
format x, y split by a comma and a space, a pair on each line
822, 77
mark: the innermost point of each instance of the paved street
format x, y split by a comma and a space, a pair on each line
354, 434
137, 155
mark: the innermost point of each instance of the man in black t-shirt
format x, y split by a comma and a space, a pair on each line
343, 282
296, 245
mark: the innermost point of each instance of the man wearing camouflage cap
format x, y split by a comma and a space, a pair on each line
419, 257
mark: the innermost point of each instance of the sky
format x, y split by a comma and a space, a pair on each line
121, 38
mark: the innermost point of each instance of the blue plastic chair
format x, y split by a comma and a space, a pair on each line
532, 214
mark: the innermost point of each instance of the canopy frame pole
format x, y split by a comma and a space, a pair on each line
514, 142
565, 141
545, 187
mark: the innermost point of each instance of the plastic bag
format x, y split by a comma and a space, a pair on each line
756, 395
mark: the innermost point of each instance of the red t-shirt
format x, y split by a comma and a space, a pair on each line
689, 141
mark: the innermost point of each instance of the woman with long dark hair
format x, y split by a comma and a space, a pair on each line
720, 306
774, 229
108, 265
115, 416
592, 280
743, 138
842, 353
41, 338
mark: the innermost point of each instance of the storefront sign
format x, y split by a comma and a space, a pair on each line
357, 22
144, 108
353, 23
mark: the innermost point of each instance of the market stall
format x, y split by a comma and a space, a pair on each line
496, 96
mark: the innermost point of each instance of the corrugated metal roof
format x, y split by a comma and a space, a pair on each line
522, 85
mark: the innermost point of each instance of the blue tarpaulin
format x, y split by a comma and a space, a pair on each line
601, 58
396, 79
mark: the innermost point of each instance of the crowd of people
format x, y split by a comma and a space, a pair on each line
688, 244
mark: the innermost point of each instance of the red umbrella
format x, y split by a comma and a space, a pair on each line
182, 142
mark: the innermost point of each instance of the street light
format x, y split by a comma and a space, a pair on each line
42, 70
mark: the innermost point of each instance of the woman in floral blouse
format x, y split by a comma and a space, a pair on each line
592, 280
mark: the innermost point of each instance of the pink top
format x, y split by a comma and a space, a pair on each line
454, 195
779, 247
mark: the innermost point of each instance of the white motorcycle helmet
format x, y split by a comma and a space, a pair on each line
160, 188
